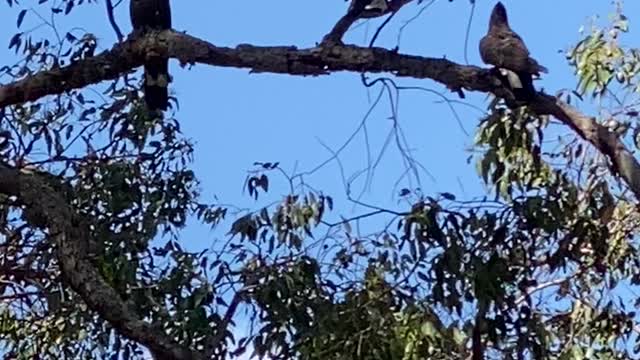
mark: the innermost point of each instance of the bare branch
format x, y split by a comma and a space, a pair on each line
530, 291
112, 20
358, 10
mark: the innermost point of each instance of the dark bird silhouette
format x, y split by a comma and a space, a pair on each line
153, 15
505, 50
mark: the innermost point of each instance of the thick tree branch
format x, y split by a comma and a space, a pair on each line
623, 163
130, 54
47, 207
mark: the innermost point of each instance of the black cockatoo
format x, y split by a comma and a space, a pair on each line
505, 50
153, 15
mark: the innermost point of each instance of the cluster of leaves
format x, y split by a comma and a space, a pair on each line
598, 55
602, 57
512, 158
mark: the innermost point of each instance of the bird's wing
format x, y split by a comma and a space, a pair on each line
486, 50
514, 54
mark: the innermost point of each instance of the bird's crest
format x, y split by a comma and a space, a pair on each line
499, 16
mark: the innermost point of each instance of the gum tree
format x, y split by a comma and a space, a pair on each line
89, 191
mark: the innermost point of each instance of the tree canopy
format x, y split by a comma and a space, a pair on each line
96, 191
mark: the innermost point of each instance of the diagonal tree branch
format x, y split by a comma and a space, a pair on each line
47, 207
358, 10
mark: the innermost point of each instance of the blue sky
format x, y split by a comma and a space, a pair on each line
236, 118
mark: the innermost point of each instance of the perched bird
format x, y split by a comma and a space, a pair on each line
505, 50
153, 15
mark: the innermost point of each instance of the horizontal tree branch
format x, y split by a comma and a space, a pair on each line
623, 163
290, 60
130, 54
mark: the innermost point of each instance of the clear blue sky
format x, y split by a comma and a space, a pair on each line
237, 118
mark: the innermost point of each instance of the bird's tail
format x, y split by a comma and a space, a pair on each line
156, 83
535, 68
526, 92
520, 83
